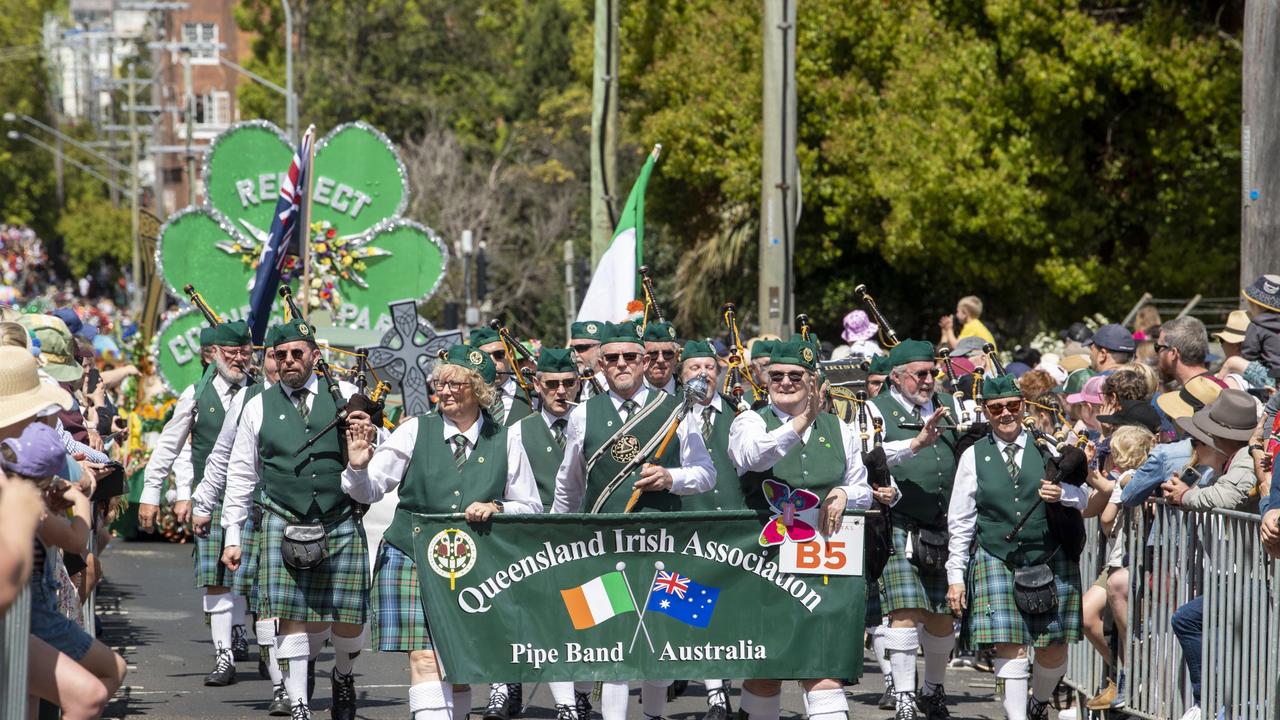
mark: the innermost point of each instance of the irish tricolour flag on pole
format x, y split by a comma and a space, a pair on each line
598, 600
614, 283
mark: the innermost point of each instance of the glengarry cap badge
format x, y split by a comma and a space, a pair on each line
475, 358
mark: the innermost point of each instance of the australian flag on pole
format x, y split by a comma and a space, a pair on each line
285, 238
683, 599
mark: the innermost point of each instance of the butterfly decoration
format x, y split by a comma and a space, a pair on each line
790, 508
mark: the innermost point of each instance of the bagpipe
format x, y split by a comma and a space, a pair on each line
878, 538
1070, 465
650, 298
888, 338
738, 368
198, 302
516, 352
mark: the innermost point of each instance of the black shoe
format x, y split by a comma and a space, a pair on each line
344, 696
564, 712
582, 705
1037, 710
933, 705
224, 670
515, 691
311, 679
300, 711
279, 702
264, 657
889, 700
239, 643
499, 703
905, 704
676, 689
716, 712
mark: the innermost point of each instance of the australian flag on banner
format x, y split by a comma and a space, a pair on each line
683, 599
284, 239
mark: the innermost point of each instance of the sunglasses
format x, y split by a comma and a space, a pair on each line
582, 347
628, 357
666, 354
498, 355
282, 355
1161, 348
921, 375
557, 384
777, 377
998, 409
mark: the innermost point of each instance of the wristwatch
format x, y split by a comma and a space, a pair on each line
498, 504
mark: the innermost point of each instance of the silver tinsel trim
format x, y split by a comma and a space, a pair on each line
155, 344
223, 222
393, 223
391, 148
213, 144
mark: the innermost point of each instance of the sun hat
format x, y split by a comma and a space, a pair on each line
1198, 392
1134, 412
57, 348
22, 395
857, 326
1232, 416
1265, 291
1237, 327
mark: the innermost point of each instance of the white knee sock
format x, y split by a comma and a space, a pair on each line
265, 631
316, 641
613, 700
294, 649
1013, 673
880, 651
653, 697
219, 609
717, 692
461, 703
431, 700
345, 650
901, 644
760, 707
1045, 679
562, 693
826, 704
937, 653
238, 606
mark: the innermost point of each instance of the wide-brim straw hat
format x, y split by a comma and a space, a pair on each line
22, 394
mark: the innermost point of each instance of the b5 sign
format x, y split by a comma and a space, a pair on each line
840, 554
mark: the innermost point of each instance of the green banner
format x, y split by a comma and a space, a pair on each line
628, 597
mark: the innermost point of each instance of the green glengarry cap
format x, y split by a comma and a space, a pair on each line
1000, 386
659, 332
763, 348
697, 349
623, 332
295, 329
483, 336
232, 334
270, 339
472, 358
207, 336
1075, 381
909, 351
587, 330
880, 365
794, 352
556, 360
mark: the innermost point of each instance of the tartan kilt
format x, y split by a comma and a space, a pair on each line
336, 591
210, 572
399, 623
246, 579
874, 614
903, 586
994, 617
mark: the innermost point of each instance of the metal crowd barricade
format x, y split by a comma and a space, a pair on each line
1084, 665
14, 629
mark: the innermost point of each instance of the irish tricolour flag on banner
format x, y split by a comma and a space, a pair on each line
598, 600
614, 283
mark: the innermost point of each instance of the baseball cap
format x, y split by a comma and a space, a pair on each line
1113, 337
1090, 392
37, 453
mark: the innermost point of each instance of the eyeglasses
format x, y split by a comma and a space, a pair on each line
997, 409
582, 347
1161, 348
282, 355
666, 354
921, 375
452, 386
628, 357
794, 376
498, 355
557, 384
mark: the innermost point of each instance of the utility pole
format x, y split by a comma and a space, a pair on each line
133, 191
604, 129
778, 189
570, 290
190, 105
1260, 141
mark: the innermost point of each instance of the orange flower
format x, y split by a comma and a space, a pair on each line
635, 306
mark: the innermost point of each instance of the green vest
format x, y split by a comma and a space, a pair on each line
520, 409
310, 484
1002, 501
817, 464
602, 422
728, 492
209, 415
433, 484
924, 480
545, 456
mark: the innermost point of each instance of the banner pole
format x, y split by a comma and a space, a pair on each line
641, 608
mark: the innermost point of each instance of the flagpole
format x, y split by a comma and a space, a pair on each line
305, 228
657, 566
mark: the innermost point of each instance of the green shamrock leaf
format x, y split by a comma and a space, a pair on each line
363, 254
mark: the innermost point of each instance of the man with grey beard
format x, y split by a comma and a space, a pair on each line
199, 416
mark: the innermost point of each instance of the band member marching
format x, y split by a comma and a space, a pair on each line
584, 340
514, 404
1024, 588
663, 354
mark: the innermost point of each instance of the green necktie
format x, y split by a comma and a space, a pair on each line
459, 449
708, 416
497, 410
628, 407
301, 397
1011, 460
557, 429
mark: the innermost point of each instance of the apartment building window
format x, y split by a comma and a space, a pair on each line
201, 32
213, 109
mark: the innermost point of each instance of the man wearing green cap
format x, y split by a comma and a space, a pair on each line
584, 340
760, 349
998, 481
510, 403
199, 416
791, 441
455, 460
605, 435
913, 587
302, 489
661, 350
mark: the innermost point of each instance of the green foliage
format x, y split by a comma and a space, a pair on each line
92, 231
26, 176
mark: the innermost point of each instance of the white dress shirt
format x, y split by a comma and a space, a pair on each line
696, 472
209, 493
669, 388
391, 460
963, 512
515, 433
755, 448
898, 451
244, 467
172, 446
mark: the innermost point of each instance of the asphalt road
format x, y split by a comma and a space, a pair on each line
151, 613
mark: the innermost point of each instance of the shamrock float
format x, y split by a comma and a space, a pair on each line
363, 254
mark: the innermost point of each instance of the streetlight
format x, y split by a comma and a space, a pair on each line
14, 117
15, 135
